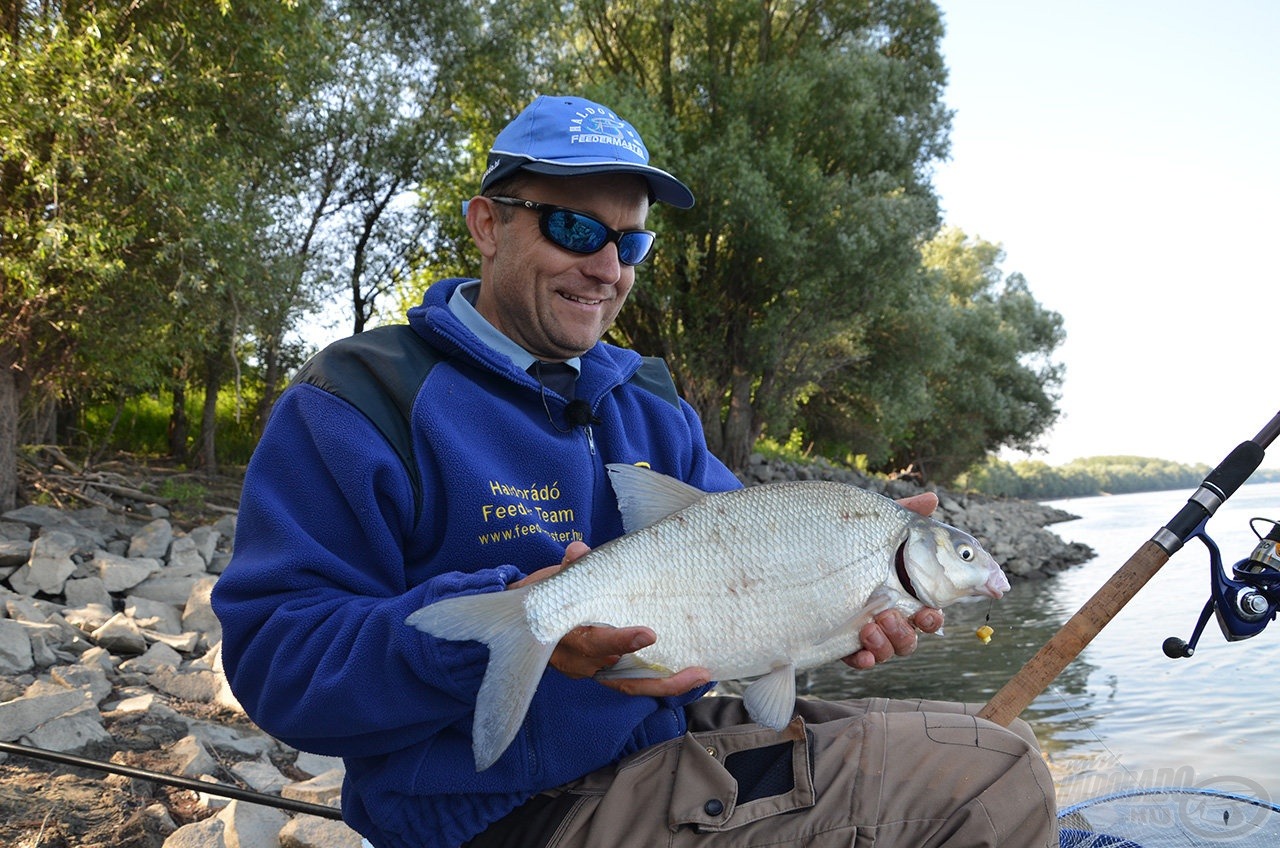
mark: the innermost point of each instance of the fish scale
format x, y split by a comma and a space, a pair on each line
765, 580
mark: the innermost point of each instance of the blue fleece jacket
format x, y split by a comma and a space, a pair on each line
336, 546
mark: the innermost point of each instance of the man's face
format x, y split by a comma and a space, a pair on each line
554, 303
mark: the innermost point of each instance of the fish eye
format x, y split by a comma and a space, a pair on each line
966, 553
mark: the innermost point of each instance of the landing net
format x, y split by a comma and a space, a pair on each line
1170, 818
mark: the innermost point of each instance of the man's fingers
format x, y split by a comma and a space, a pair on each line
659, 687
923, 504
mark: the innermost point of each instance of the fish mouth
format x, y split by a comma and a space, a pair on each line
997, 584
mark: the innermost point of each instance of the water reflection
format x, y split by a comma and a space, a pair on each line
958, 667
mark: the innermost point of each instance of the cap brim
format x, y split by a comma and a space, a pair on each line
662, 186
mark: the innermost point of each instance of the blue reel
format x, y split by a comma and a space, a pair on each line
1244, 603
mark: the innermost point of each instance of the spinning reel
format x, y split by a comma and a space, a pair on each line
1244, 603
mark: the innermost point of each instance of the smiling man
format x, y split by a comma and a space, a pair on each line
465, 452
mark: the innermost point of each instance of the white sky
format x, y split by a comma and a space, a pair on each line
1126, 154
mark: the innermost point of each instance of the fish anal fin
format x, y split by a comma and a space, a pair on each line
771, 700
645, 497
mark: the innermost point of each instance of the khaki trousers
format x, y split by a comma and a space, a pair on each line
874, 772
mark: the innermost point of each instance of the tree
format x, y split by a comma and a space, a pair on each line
992, 383
123, 127
805, 131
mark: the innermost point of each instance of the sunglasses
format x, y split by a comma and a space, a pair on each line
578, 232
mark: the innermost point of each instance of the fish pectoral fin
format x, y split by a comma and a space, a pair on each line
630, 667
645, 497
771, 700
516, 661
879, 601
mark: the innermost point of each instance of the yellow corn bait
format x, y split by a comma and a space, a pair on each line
984, 633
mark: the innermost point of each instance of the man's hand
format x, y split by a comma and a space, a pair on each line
585, 650
892, 633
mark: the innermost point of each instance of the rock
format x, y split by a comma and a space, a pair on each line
190, 757
206, 542
158, 656
184, 559
14, 553
71, 732
120, 573
198, 614
208, 833
49, 566
315, 832
323, 789
316, 764
15, 648
82, 591
153, 615
88, 679
260, 776
153, 540
196, 686
40, 704
169, 590
120, 635
88, 618
252, 825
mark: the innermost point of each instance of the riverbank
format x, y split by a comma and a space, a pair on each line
109, 650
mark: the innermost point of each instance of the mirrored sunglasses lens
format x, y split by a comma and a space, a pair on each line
633, 248
575, 232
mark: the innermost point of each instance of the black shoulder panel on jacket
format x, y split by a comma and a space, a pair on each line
655, 377
379, 372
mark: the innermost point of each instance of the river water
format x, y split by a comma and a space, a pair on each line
1122, 715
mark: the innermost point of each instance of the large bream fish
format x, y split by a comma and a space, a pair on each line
765, 580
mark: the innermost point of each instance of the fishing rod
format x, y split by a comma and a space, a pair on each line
222, 790
1106, 603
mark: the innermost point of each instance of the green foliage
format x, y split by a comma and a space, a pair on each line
140, 425
964, 369
181, 182
1115, 475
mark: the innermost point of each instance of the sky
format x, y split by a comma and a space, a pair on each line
1126, 155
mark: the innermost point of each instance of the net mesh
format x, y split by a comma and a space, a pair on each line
1157, 818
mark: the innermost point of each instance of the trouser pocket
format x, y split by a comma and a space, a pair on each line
687, 786
728, 778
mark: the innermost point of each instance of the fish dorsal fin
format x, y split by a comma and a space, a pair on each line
771, 700
645, 497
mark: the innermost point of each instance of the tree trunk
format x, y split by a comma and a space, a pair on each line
178, 427
270, 382
9, 399
213, 373
740, 427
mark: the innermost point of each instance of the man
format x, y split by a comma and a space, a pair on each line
466, 453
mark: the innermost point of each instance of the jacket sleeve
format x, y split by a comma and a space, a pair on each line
314, 600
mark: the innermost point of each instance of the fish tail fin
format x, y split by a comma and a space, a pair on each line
516, 661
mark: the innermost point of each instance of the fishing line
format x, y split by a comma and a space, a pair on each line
1088, 725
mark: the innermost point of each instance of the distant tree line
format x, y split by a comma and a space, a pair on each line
183, 185
1097, 475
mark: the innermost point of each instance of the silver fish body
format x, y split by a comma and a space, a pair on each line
765, 580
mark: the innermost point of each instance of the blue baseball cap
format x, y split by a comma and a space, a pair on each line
570, 136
